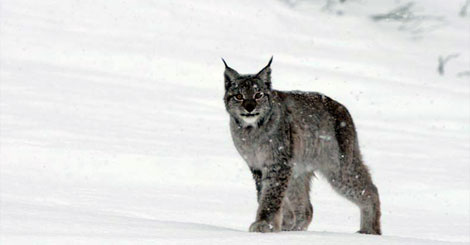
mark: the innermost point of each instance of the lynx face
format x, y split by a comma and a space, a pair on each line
248, 97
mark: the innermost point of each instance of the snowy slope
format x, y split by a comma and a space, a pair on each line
113, 129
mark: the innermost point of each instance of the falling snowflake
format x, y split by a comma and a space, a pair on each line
325, 137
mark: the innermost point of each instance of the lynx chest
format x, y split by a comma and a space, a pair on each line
257, 153
262, 149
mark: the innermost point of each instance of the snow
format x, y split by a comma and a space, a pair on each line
113, 129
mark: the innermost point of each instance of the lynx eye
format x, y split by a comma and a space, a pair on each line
258, 96
239, 97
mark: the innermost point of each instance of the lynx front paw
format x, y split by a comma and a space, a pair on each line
261, 226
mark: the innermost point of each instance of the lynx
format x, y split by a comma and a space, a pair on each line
287, 137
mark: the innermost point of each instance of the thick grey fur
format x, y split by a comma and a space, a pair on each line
286, 137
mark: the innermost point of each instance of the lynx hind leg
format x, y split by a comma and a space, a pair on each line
350, 177
354, 183
298, 210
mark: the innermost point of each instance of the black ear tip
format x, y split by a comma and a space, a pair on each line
225, 63
270, 61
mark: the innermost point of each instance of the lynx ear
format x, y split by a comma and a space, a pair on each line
265, 73
229, 75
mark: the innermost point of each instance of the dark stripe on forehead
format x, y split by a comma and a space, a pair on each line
247, 83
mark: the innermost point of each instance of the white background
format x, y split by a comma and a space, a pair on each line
113, 128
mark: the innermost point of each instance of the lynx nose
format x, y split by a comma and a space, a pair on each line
249, 105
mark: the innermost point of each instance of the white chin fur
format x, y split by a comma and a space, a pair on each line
250, 120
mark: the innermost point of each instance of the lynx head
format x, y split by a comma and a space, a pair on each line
248, 97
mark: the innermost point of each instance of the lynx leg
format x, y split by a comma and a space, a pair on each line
349, 176
298, 198
296, 218
304, 215
288, 215
257, 176
354, 183
273, 189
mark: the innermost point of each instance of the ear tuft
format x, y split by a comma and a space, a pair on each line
270, 61
225, 63
229, 75
265, 73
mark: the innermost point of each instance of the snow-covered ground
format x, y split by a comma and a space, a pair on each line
113, 129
